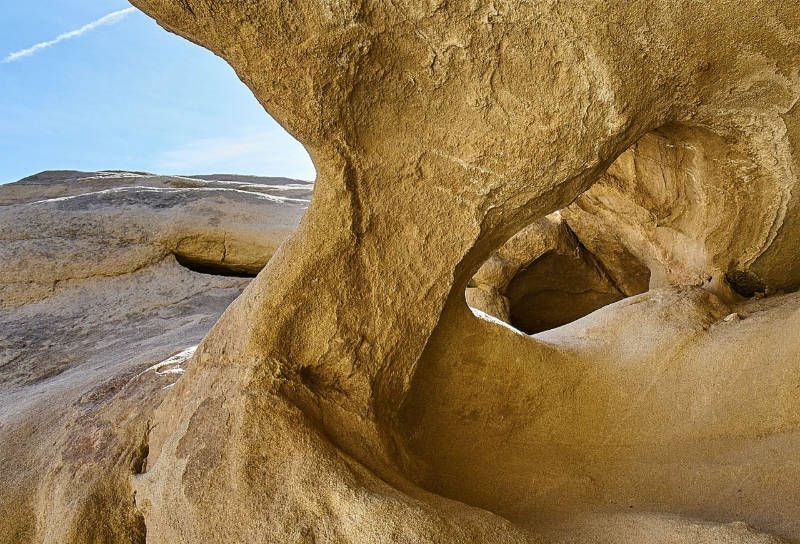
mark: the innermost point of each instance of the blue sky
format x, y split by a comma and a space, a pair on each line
125, 94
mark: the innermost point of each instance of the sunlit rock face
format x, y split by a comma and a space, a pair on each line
350, 395
714, 207
60, 228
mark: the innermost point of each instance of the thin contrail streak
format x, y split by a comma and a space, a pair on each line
111, 18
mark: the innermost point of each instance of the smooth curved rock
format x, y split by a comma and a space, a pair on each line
691, 413
59, 228
544, 277
714, 206
440, 129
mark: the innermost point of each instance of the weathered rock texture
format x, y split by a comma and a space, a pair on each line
350, 395
544, 277
58, 228
705, 205
92, 305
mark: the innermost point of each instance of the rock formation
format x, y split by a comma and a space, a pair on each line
97, 321
349, 395
544, 277
60, 228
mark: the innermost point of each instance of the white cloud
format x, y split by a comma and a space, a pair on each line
268, 153
111, 18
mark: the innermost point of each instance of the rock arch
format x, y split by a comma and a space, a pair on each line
438, 129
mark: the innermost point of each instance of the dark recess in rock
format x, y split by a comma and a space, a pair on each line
215, 268
745, 283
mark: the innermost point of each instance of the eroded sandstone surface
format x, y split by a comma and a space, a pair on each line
98, 319
544, 277
350, 395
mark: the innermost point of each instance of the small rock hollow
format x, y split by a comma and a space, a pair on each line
215, 268
544, 276
556, 290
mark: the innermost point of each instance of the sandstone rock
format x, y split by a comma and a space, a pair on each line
94, 299
62, 183
677, 416
712, 206
438, 131
60, 228
350, 395
78, 388
544, 277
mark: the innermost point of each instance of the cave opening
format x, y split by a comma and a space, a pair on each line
545, 277
557, 289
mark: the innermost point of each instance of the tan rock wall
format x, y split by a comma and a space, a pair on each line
440, 129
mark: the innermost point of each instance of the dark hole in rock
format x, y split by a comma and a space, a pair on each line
139, 461
746, 284
545, 276
557, 289
216, 268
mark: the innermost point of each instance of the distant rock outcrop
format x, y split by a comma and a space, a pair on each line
102, 302
59, 228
